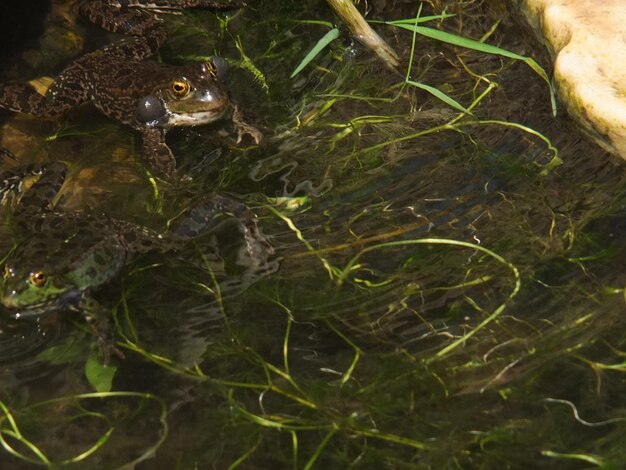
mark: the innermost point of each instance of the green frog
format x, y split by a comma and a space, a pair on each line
62, 257
123, 83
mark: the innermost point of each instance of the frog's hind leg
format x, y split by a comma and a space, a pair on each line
137, 239
211, 211
23, 98
114, 17
64, 94
137, 18
166, 5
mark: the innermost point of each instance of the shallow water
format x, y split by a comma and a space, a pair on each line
443, 301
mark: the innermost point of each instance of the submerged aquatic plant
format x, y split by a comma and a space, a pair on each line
412, 24
449, 296
82, 407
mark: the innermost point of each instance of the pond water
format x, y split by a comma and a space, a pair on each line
446, 291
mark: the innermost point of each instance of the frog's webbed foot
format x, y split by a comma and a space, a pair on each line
41, 193
10, 187
243, 127
97, 318
156, 152
5, 153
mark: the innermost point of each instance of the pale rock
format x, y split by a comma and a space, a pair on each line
588, 41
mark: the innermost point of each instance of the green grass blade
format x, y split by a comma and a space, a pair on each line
585, 458
320, 448
441, 95
321, 44
481, 47
421, 19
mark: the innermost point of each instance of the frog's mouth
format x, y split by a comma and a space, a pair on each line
193, 119
201, 107
65, 301
154, 112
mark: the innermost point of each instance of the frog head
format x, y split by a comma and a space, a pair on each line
54, 269
31, 290
195, 94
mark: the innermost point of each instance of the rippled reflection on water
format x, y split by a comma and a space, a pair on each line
20, 343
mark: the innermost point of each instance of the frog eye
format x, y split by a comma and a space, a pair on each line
180, 87
38, 278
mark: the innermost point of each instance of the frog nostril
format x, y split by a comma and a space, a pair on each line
222, 68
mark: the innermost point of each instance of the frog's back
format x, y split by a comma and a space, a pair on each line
116, 85
84, 249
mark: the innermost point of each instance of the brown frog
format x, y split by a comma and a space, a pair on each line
124, 84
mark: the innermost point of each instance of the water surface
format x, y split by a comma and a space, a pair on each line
437, 299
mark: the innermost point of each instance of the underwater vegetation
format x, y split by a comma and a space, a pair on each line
446, 288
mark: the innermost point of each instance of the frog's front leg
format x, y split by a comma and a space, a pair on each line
97, 318
243, 127
156, 152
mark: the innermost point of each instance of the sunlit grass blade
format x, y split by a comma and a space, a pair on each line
92, 450
481, 47
320, 448
246, 455
421, 19
584, 457
441, 95
332, 271
321, 44
546, 168
16, 434
350, 266
357, 353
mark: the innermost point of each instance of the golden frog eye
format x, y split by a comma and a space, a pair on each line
180, 88
38, 278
